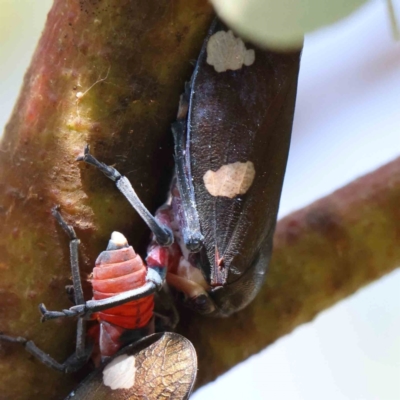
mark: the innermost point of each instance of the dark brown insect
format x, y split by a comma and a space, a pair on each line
214, 234
238, 132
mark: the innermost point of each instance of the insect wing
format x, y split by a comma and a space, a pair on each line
239, 128
163, 365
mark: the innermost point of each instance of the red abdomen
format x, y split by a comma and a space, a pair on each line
118, 271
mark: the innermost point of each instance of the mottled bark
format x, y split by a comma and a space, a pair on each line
110, 73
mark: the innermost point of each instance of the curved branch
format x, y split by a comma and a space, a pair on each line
111, 73
322, 254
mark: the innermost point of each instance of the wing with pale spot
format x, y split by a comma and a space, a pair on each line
238, 133
160, 366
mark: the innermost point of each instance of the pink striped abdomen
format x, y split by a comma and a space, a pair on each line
118, 271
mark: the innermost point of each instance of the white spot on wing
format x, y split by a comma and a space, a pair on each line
120, 373
225, 51
230, 180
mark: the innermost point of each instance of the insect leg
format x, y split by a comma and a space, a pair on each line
34, 350
80, 350
154, 282
70, 365
162, 233
191, 226
73, 247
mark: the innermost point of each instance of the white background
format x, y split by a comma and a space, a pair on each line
347, 123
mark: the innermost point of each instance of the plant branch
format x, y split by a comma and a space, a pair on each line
110, 74
322, 254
